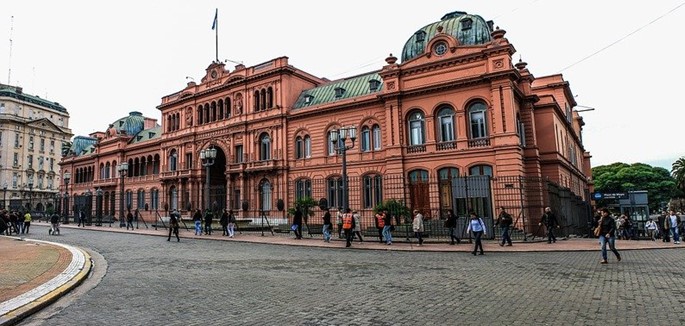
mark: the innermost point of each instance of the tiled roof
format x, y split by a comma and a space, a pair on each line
147, 134
17, 93
339, 90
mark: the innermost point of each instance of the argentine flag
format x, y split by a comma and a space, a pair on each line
216, 17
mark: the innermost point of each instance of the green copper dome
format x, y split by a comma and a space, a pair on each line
130, 125
468, 29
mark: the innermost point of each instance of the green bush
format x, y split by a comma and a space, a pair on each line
396, 208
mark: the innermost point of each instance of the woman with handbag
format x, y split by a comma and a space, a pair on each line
477, 226
607, 234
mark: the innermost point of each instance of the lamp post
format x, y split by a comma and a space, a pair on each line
30, 184
207, 156
67, 176
4, 196
122, 168
98, 206
339, 136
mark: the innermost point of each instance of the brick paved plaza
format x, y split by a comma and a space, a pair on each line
150, 281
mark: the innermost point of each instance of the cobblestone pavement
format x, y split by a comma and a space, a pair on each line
150, 281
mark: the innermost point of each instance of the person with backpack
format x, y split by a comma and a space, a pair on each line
504, 220
54, 224
380, 224
348, 226
477, 226
173, 225
549, 219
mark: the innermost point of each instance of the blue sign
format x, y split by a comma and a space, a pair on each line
597, 196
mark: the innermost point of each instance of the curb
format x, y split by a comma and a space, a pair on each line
14, 310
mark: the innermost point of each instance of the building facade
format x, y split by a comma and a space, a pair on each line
32, 132
440, 128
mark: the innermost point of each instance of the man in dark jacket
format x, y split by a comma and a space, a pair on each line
549, 219
297, 222
663, 227
451, 224
504, 220
208, 222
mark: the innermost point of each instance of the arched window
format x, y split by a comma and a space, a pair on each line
335, 192
200, 116
303, 188
365, 139
416, 128
154, 199
256, 101
477, 120
141, 199
173, 157
129, 172
107, 170
213, 112
307, 146
446, 124
129, 199
331, 145
376, 137
373, 190
228, 107
207, 116
266, 195
263, 100
114, 169
173, 198
480, 170
448, 173
264, 147
299, 147
155, 164
220, 106
102, 170
417, 176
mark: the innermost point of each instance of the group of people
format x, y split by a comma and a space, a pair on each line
227, 222
14, 222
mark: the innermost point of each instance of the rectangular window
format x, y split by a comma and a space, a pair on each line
15, 179
236, 199
335, 192
331, 145
52, 146
154, 199
239, 154
141, 199
478, 125
129, 199
416, 133
307, 147
373, 194
30, 143
16, 160
29, 160
42, 144
52, 164
16, 140
376, 138
446, 129
189, 161
366, 140
303, 189
0, 138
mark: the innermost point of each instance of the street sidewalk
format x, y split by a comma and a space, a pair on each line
35, 273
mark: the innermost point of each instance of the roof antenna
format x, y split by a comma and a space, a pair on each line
9, 73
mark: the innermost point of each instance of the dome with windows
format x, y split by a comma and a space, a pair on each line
130, 125
467, 29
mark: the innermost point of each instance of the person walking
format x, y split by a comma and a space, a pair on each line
451, 225
504, 220
173, 225
4, 223
27, 223
224, 223
417, 226
54, 224
662, 224
129, 220
674, 226
338, 221
380, 223
348, 226
136, 217
327, 225
607, 234
357, 231
477, 226
208, 221
651, 229
81, 218
387, 227
231, 224
549, 219
197, 219
297, 223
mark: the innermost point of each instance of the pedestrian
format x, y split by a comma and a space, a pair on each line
136, 216
297, 223
197, 219
477, 226
380, 223
82, 218
607, 234
54, 224
387, 227
651, 229
4, 221
27, 223
338, 221
348, 226
357, 226
173, 225
675, 226
451, 225
231, 224
417, 226
549, 219
224, 223
504, 220
208, 221
327, 225
129, 220
14, 223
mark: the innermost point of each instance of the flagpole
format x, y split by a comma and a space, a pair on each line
217, 35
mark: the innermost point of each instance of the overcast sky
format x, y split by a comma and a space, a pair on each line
101, 60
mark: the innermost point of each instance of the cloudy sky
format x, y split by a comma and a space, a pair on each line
103, 59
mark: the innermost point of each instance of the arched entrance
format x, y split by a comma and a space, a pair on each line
217, 181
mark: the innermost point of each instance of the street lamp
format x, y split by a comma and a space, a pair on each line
338, 137
207, 156
122, 168
67, 176
30, 193
98, 207
4, 196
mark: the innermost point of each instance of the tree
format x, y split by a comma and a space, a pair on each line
678, 172
306, 205
622, 177
396, 208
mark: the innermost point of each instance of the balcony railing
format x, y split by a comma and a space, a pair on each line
416, 149
446, 145
479, 142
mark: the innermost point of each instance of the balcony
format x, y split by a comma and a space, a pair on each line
416, 149
261, 165
443, 146
479, 142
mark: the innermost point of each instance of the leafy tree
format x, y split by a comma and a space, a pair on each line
622, 177
396, 208
306, 204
